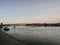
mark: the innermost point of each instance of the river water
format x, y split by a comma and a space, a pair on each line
49, 35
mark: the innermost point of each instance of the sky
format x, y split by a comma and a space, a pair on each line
29, 11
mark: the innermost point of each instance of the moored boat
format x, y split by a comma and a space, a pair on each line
6, 28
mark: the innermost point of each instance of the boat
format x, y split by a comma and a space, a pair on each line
6, 28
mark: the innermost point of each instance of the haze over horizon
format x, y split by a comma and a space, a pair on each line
29, 11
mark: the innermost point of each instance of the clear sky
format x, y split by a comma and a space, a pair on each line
29, 11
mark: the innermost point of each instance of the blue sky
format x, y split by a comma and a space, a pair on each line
29, 11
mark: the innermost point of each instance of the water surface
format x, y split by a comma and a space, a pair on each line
50, 35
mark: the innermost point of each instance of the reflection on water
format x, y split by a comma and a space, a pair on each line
44, 34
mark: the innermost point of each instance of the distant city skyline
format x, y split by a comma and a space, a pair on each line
29, 11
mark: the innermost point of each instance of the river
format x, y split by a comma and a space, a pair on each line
50, 35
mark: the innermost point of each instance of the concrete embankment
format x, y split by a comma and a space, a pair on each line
6, 39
